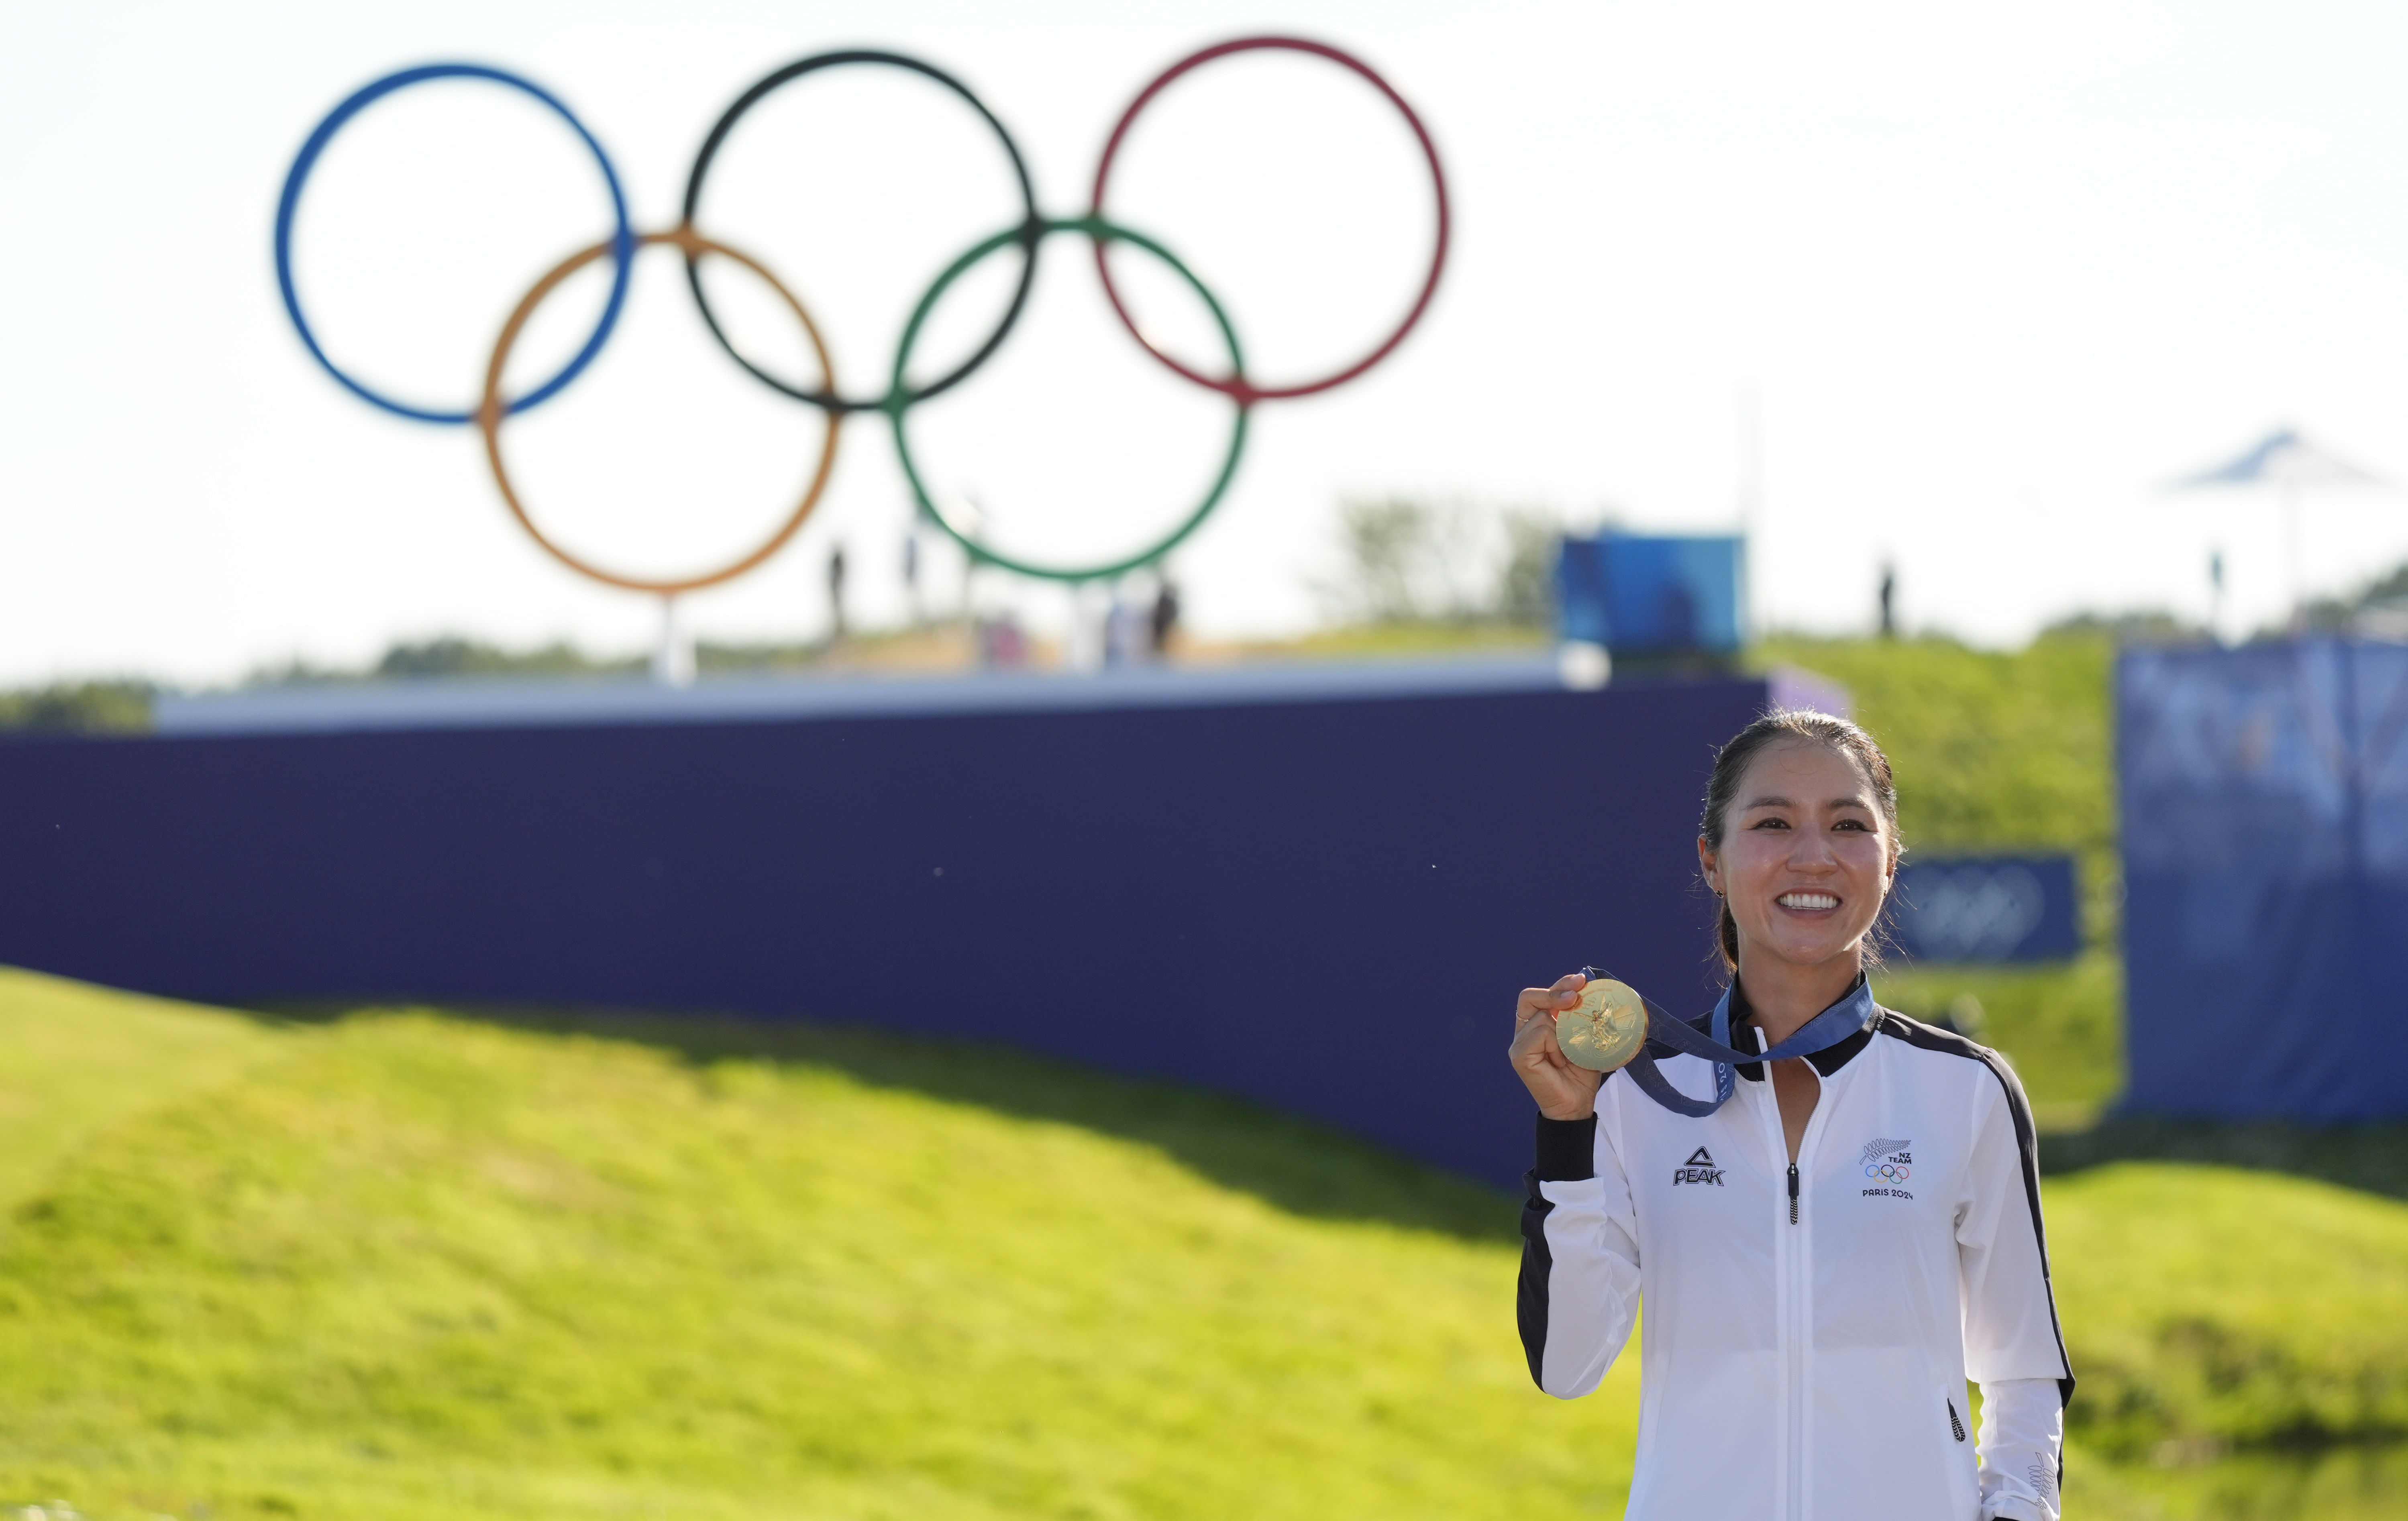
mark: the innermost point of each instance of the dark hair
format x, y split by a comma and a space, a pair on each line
1792, 726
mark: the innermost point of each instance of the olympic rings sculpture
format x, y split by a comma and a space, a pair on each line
1029, 235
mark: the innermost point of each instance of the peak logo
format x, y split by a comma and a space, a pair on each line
1699, 1169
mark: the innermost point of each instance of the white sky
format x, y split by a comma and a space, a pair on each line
1994, 277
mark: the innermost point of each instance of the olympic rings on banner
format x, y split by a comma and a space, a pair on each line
1235, 384
1030, 231
900, 395
621, 244
490, 411
1102, 231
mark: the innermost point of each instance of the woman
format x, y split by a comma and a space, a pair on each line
1826, 1257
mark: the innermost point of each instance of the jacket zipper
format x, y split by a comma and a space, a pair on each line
1789, 1254
1953, 1424
1797, 1293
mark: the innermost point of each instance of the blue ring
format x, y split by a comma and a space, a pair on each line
623, 243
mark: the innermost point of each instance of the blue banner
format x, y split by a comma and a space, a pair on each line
2265, 803
1999, 908
1642, 594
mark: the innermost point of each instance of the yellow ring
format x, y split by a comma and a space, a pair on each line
490, 414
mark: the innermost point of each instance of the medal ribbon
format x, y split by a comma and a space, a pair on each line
1835, 1024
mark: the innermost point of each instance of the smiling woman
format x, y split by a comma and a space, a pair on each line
1816, 1301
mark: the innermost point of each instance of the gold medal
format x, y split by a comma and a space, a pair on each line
1605, 1029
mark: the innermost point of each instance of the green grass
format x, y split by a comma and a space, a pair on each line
2345, 1483
412, 1266
1406, 638
2373, 1159
79, 1061
2209, 1304
2062, 1025
409, 1264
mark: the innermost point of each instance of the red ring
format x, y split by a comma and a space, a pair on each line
1237, 386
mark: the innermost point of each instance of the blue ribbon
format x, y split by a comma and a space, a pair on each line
1835, 1024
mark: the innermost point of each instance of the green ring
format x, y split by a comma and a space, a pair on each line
899, 401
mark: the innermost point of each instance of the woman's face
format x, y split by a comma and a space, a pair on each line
1804, 860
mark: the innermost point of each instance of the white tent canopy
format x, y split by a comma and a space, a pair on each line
2288, 462
2284, 458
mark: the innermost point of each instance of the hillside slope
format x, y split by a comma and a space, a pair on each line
417, 1267
405, 1264
78, 1060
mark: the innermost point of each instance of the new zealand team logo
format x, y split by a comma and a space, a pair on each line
1698, 1169
1886, 1164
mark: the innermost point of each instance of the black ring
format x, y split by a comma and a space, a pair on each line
1032, 229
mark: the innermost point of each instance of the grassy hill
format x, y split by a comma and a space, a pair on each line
402, 1265
409, 1264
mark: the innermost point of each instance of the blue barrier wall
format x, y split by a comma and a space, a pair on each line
2265, 815
1326, 905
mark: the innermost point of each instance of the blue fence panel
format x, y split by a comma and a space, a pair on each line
2265, 806
1997, 908
1255, 898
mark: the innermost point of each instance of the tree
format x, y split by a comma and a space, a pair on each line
1419, 560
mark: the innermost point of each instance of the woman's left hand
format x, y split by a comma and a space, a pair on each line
1565, 1090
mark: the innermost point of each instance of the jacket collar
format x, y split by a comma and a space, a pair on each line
1827, 1060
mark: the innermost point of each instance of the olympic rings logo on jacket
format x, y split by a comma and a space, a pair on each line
493, 408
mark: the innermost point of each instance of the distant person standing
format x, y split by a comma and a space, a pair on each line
1164, 621
1002, 645
1124, 630
2216, 596
1889, 603
836, 595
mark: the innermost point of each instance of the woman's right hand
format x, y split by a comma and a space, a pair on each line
1564, 1089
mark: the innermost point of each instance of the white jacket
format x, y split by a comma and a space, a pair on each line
1805, 1358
